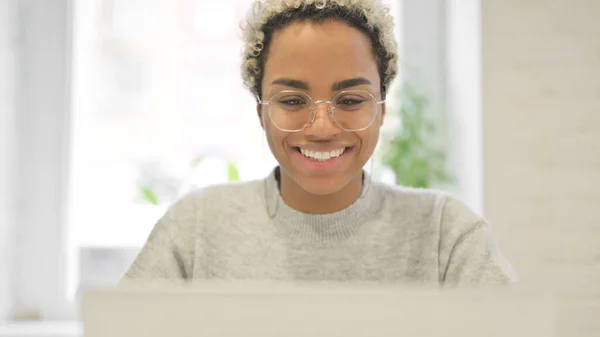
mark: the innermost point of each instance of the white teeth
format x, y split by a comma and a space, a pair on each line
322, 156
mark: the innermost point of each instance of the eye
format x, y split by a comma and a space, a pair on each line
350, 101
292, 101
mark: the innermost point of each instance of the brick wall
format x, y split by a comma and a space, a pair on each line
541, 145
8, 60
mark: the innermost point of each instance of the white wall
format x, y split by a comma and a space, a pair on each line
8, 62
541, 143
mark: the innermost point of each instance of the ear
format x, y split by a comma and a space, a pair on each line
259, 113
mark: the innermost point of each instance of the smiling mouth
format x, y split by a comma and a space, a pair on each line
323, 156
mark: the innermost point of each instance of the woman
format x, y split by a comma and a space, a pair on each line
320, 71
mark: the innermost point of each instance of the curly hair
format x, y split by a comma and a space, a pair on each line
267, 16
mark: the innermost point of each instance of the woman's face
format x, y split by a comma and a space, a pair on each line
321, 60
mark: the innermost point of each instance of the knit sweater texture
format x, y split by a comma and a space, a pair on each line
390, 234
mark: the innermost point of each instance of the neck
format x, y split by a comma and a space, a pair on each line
321, 219
301, 200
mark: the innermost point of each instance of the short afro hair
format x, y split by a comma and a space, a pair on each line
268, 16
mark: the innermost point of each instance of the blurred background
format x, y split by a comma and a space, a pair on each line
112, 109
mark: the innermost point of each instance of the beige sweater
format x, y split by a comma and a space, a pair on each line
391, 234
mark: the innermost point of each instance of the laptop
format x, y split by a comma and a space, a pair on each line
235, 309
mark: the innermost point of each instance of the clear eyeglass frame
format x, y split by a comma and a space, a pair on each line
331, 109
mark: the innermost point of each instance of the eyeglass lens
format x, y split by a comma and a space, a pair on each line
351, 110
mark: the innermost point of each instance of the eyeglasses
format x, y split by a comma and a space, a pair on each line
351, 110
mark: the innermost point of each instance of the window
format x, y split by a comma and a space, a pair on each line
120, 88
113, 96
132, 91
156, 87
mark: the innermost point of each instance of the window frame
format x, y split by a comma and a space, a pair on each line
8, 65
43, 105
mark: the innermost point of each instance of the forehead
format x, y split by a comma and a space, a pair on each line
320, 54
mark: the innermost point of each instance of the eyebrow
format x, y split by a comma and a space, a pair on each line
288, 82
352, 82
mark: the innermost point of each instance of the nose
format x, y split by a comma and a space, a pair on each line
322, 126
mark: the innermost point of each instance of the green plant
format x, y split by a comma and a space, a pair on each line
233, 174
410, 152
149, 196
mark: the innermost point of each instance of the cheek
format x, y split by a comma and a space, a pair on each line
275, 139
369, 139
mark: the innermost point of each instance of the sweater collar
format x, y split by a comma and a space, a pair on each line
322, 228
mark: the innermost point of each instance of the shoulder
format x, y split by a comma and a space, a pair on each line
423, 200
466, 247
219, 198
441, 211
211, 204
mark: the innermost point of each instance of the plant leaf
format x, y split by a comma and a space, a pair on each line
232, 172
196, 161
149, 196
